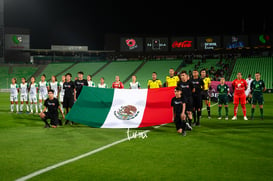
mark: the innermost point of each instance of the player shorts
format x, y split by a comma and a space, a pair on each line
68, 102
223, 100
23, 97
257, 99
61, 98
197, 102
14, 98
42, 96
205, 95
239, 98
247, 92
54, 120
32, 98
189, 103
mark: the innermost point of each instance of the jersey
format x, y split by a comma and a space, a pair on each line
24, 89
118, 85
172, 81
134, 85
239, 86
223, 90
187, 88
102, 85
91, 83
207, 82
198, 85
52, 106
61, 88
33, 89
43, 87
14, 89
154, 83
69, 89
177, 104
257, 87
54, 86
79, 84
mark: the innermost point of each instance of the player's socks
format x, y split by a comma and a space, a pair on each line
21, 107
40, 107
17, 107
226, 108
235, 109
36, 108
208, 109
252, 112
244, 109
262, 112
198, 116
194, 116
31, 107
27, 108
219, 111
12, 107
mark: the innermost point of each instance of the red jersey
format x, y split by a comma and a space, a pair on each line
239, 86
118, 85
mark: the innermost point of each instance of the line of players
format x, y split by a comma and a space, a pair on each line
190, 92
194, 90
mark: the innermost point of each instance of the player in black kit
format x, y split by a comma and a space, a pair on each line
187, 89
179, 116
79, 83
198, 85
51, 105
69, 93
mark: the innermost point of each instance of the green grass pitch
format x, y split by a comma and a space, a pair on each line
217, 150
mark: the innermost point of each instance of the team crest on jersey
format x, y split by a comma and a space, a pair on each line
126, 112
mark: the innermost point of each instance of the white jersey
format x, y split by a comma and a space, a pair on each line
134, 85
43, 88
102, 85
249, 83
91, 83
13, 89
54, 86
24, 89
33, 89
62, 89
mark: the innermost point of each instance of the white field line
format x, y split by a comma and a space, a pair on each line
38, 172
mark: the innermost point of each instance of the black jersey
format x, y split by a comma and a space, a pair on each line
52, 105
79, 84
177, 104
69, 89
187, 88
197, 84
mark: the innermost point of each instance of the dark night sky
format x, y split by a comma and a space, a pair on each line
86, 22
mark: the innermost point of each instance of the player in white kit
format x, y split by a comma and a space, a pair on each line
90, 82
54, 85
24, 94
43, 88
33, 89
14, 89
61, 92
102, 84
247, 91
134, 84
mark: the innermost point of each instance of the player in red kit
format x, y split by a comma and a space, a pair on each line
117, 84
239, 86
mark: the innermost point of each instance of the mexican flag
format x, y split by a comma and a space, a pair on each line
122, 108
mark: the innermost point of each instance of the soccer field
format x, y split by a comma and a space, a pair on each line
217, 150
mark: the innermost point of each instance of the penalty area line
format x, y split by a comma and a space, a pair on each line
44, 170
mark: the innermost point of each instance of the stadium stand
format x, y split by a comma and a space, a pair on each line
121, 68
160, 66
18, 71
89, 68
53, 69
251, 65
